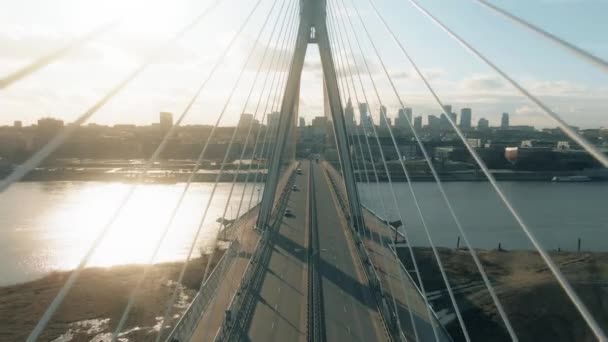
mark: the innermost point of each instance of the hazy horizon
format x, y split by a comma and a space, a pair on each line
69, 86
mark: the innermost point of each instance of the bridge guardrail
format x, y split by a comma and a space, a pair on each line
389, 319
185, 326
235, 308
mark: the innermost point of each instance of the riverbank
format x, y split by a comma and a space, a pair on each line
536, 306
95, 303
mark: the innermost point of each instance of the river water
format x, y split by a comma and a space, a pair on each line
558, 214
46, 226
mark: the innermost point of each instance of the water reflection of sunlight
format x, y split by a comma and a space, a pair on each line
133, 236
50, 226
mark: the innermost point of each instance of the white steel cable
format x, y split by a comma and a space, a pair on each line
474, 255
39, 156
258, 135
592, 150
256, 112
265, 151
394, 196
363, 124
47, 59
341, 66
167, 227
212, 194
578, 303
62, 136
575, 50
208, 267
408, 178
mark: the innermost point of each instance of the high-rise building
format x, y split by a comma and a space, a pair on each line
483, 124
504, 121
302, 122
418, 123
349, 116
465, 118
245, 121
272, 120
447, 108
383, 116
365, 120
434, 122
18, 124
47, 129
166, 121
319, 125
403, 117
363, 113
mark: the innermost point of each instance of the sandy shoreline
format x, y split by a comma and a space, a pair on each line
93, 307
536, 306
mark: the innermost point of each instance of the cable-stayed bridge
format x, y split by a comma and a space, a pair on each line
310, 262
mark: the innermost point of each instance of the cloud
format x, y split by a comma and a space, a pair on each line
27, 45
482, 83
400, 75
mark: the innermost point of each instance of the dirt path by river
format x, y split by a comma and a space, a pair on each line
93, 307
537, 307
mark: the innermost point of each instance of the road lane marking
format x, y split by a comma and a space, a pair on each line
344, 308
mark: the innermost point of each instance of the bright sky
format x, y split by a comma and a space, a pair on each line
65, 89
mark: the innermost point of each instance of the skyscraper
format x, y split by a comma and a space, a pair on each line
434, 122
504, 121
418, 123
166, 121
302, 122
465, 118
245, 121
483, 124
362, 113
403, 117
349, 116
272, 121
365, 119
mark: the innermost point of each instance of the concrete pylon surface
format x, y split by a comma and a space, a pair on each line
312, 30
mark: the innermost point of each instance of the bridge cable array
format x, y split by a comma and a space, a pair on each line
74, 275
35, 160
437, 179
182, 196
581, 307
573, 49
346, 81
554, 269
341, 71
346, 66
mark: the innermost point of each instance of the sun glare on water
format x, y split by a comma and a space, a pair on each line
133, 235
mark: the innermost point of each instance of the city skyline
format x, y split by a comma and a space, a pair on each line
569, 87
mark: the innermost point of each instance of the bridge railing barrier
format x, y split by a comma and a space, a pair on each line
185, 327
388, 316
332, 171
235, 309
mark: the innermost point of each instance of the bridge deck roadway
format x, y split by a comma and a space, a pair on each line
279, 313
247, 237
350, 312
279, 310
395, 280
